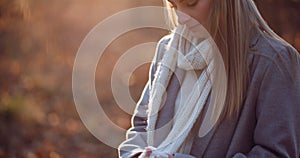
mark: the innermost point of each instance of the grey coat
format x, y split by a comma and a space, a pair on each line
268, 125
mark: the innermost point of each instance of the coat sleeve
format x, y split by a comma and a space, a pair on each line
136, 136
277, 131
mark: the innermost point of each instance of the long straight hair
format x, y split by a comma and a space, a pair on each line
230, 23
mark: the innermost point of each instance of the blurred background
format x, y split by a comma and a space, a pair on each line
39, 40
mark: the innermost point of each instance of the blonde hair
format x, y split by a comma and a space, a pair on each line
230, 23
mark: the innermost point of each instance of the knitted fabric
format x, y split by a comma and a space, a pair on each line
190, 53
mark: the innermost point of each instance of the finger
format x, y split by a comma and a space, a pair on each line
148, 152
171, 156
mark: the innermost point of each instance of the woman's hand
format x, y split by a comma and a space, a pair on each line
149, 150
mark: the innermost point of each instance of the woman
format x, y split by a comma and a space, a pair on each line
196, 105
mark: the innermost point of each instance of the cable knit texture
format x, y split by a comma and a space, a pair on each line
190, 53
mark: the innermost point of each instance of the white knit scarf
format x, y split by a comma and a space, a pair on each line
188, 52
